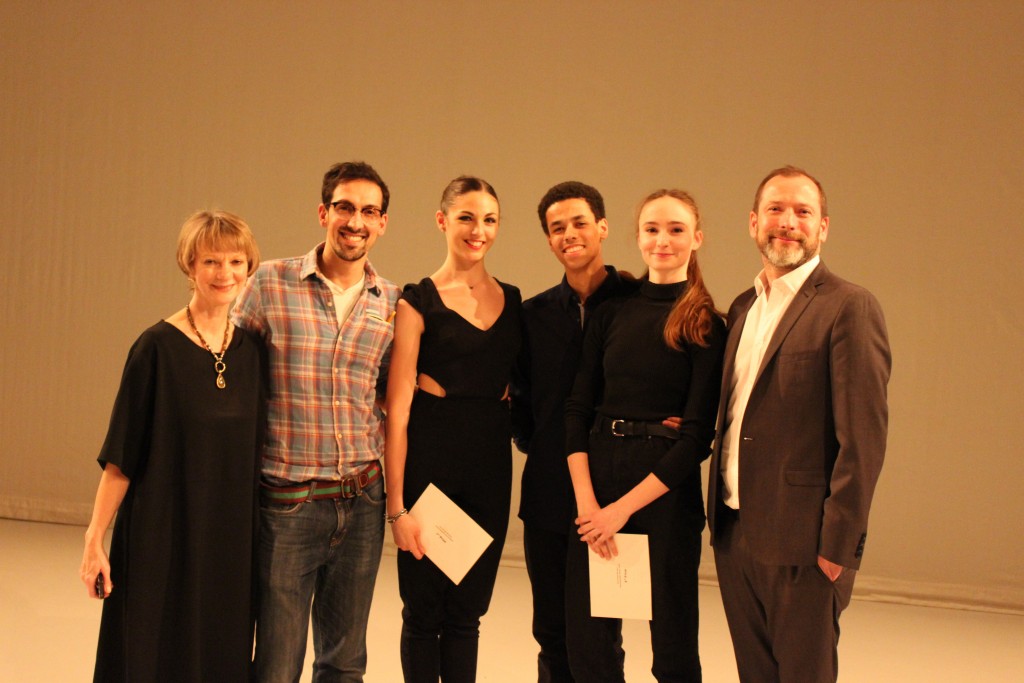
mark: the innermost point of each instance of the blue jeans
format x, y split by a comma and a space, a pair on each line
324, 552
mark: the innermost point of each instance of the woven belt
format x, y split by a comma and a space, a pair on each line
347, 487
629, 428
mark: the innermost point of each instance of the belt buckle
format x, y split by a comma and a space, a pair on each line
615, 427
361, 480
352, 487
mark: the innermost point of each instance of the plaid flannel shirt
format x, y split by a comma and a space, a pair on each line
323, 421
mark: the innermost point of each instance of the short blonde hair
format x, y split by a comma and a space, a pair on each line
215, 231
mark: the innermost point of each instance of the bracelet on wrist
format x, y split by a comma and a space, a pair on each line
391, 519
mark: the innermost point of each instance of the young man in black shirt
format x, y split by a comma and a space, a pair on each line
573, 219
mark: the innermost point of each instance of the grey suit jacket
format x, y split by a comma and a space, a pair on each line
812, 438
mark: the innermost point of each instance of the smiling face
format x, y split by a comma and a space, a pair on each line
788, 225
470, 225
667, 235
349, 236
218, 275
573, 234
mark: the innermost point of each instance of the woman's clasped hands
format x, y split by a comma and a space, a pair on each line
597, 527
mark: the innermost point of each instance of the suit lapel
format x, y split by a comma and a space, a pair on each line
799, 304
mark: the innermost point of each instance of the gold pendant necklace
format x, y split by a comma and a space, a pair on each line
218, 359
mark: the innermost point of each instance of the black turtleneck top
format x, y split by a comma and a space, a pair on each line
628, 372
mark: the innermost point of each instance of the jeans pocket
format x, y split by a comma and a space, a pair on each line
374, 494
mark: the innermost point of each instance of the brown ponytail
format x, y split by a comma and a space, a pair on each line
691, 316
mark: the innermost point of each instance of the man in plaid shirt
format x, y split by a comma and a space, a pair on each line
326, 319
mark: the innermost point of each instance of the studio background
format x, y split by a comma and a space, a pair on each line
118, 119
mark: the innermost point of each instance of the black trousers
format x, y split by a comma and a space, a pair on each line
673, 525
545, 562
462, 446
784, 620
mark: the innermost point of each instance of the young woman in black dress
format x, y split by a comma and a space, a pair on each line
646, 357
180, 469
457, 334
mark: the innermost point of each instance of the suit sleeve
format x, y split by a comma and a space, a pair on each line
860, 363
520, 392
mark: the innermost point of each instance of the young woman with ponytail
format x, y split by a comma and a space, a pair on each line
648, 357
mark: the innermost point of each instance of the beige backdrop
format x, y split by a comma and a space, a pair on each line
118, 119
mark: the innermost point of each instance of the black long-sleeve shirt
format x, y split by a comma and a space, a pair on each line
553, 325
628, 372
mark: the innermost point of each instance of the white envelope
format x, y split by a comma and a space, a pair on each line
620, 587
450, 537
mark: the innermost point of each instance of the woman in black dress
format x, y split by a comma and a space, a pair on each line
457, 334
646, 357
180, 468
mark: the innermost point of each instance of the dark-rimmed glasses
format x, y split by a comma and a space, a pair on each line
371, 215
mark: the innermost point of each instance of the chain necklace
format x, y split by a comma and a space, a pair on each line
218, 358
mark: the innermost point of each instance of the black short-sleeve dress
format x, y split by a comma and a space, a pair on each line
462, 442
182, 547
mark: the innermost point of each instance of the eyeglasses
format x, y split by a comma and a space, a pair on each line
371, 215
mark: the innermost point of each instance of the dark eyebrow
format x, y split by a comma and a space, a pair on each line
346, 201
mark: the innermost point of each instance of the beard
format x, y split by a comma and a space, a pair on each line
347, 251
789, 255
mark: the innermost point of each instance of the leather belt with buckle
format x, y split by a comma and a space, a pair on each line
631, 428
318, 489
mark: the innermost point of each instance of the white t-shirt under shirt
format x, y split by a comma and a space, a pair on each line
345, 299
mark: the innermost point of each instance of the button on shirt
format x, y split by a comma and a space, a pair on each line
327, 369
762, 319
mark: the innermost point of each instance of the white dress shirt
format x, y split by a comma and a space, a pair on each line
762, 319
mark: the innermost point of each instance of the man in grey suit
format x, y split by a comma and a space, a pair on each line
800, 442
